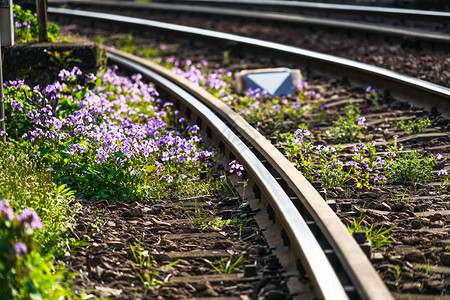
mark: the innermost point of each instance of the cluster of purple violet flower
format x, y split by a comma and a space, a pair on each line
366, 167
235, 166
256, 104
28, 217
112, 130
214, 82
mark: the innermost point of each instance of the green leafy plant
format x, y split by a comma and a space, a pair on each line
299, 150
395, 198
146, 270
62, 60
355, 226
66, 127
398, 272
414, 127
348, 127
332, 171
411, 167
226, 265
24, 272
364, 164
373, 97
377, 237
427, 270
26, 26
199, 216
421, 288
29, 185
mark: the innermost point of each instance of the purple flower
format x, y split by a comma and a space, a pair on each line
6, 209
379, 162
168, 177
442, 172
369, 89
361, 121
353, 164
245, 112
302, 132
321, 148
236, 166
391, 154
302, 85
20, 248
438, 156
194, 129
255, 106
379, 178
30, 216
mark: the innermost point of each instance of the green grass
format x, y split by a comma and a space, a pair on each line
27, 185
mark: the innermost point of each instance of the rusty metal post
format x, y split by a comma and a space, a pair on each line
42, 20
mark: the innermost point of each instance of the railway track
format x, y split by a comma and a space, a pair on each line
433, 20
395, 52
399, 85
345, 205
280, 197
436, 38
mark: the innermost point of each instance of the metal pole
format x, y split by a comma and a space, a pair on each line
42, 20
2, 104
6, 39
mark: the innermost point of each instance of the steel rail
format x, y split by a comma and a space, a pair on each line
325, 8
301, 6
302, 241
427, 36
365, 282
402, 86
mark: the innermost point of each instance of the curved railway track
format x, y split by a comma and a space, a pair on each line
435, 38
309, 200
399, 85
349, 274
399, 53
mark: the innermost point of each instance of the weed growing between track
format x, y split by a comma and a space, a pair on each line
291, 119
